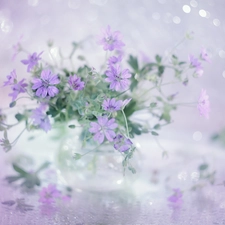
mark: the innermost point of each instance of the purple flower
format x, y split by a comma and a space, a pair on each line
11, 78
76, 83
103, 128
205, 56
110, 39
49, 194
122, 143
197, 65
176, 196
175, 200
112, 105
118, 80
194, 61
113, 60
45, 86
41, 118
203, 104
17, 89
32, 61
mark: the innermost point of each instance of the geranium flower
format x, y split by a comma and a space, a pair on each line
103, 128
11, 78
112, 105
113, 60
17, 89
197, 65
45, 86
203, 104
119, 80
175, 200
48, 195
122, 143
76, 83
31, 61
205, 56
110, 39
40, 118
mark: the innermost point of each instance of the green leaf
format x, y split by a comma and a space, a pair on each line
135, 128
61, 103
52, 111
174, 56
133, 62
147, 68
158, 59
203, 166
132, 169
154, 133
161, 70
5, 135
157, 127
12, 104
19, 170
80, 57
166, 116
2, 128
19, 117
215, 137
75, 44
72, 126
153, 104
62, 116
43, 166
31, 138
9, 203
133, 84
11, 179
31, 180
77, 156
124, 163
130, 108
159, 98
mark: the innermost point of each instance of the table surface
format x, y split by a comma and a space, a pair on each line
142, 201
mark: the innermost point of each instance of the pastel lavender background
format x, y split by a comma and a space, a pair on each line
151, 27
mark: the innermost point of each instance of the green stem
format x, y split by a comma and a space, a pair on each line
125, 119
14, 142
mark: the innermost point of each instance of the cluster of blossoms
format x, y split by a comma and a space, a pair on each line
102, 102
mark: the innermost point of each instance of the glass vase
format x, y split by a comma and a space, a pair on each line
100, 169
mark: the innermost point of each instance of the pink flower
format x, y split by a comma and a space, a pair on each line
49, 194
205, 56
203, 104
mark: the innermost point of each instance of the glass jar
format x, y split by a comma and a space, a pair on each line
98, 170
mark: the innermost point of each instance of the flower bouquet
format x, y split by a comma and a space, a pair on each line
103, 101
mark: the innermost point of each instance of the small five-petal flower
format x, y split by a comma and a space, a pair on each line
45, 86
103, 128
